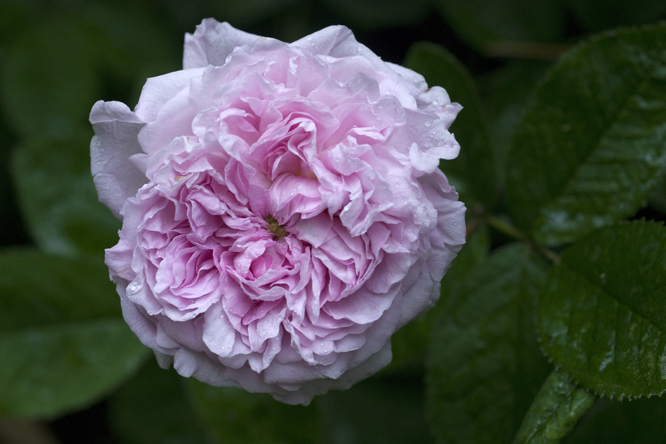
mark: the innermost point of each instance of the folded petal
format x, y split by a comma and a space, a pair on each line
116, 130
212, 42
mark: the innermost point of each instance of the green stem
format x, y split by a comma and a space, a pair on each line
510, 230
505, 227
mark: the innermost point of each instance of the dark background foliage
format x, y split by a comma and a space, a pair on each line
57, 308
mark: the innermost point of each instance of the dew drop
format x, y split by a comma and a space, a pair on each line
134, 287
359, 49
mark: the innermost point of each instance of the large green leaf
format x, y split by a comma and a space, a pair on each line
63, 343
602, 316
473, 171
486, 23
410, 342
505, 93
236, 416
153, 409
593, 142
485, 367
556, 409
58, 198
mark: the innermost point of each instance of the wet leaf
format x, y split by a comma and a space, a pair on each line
602, 317
593, 142
555, 411
485, 367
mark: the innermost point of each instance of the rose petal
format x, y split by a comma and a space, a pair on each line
116, 129
212, 42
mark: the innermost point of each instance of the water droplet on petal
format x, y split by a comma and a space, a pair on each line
134, 287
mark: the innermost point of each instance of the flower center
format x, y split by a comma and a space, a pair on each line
275, 228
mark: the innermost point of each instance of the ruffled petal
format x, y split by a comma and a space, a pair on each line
116, 129
212, 42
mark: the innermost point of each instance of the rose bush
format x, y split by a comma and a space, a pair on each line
283, 211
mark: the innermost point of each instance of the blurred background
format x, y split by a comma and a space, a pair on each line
57, 58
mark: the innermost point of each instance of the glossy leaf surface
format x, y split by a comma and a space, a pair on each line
602, 316
593, 142
555, 411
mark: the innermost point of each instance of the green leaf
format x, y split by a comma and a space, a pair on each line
63, 343
602, 316
153, 409
611, 422
657, 199
236, 416
375, 411
484, 23
409, 344
58, 197
505, 92
556, 409
47, 83
593, 142
473, 171
485, 367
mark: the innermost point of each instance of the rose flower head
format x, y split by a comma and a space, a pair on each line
283, 211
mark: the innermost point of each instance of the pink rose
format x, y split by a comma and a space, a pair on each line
283, 211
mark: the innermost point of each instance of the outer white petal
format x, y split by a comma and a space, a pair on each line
159, 90
116, 129
331, 41
212, 42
